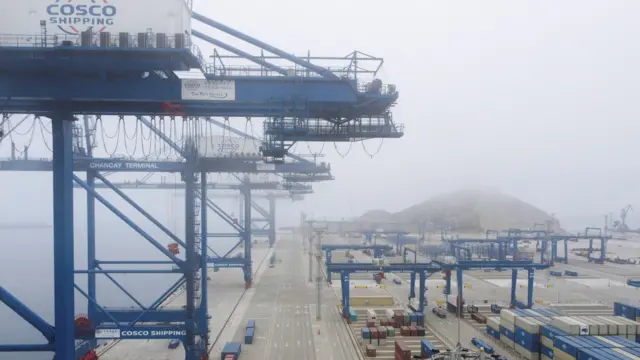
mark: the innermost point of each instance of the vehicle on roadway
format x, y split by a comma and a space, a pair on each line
439, 311
482, 345
173, 344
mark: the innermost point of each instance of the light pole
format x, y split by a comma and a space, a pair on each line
310, 236
319, 272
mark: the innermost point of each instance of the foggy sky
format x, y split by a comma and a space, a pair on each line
534, 98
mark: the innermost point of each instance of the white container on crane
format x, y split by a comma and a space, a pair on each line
67, 19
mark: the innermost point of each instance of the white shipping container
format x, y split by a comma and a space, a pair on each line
613, 328
508, 325
591, 325
570, 325
603, 328
530, 325
507, 342
508, 315
494, 323
619, 328
371, 315
526, 353
632, 325
622, 327
225, 146
65, 18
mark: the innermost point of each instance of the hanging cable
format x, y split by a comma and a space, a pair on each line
115, 136
134, 138
376, 152
30, 133
335, 146
315, 153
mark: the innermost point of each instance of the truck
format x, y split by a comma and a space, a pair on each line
272, 260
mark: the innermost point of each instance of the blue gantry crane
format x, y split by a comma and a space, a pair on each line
134, 75
328, 249
431, 267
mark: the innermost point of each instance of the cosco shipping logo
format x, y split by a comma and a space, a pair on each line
228, 146
192, 85
75, 16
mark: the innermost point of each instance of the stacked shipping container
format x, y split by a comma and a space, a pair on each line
534, 333
378, 331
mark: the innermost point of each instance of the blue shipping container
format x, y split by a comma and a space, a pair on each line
352, 315
251, 323
527, 340
231, 348
426, 348
550, 332
413, 317
546, 351
627, 311
420, 317
572, 344
506, 332
493, 333
592, 354
366, 334
248, 335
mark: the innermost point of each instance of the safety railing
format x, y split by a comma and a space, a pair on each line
105, 40
373, 126
371, 87
247, 70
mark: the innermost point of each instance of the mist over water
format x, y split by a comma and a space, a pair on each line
28, 271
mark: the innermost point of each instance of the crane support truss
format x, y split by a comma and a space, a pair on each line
61, 78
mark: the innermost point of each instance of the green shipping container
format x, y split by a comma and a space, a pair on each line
407, 318
391, 331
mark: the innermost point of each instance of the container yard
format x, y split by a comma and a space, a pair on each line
551, 334
383, 332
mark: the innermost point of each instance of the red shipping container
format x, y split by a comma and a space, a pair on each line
382, 333
383, 322
402, 351
413, 331
371, 323
374, 333
391, 323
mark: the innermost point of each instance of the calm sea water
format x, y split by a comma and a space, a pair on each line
26, 262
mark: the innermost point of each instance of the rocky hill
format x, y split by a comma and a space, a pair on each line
469, 210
